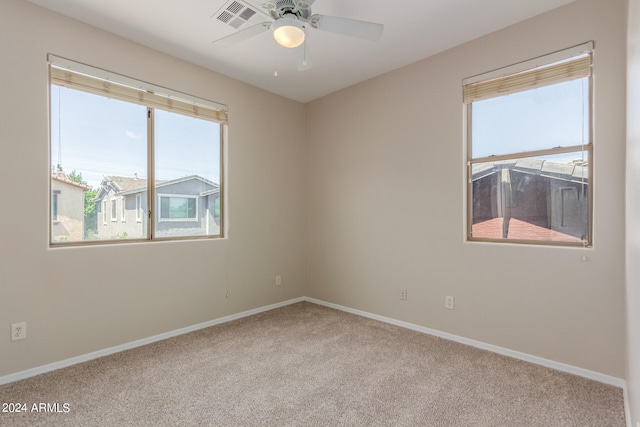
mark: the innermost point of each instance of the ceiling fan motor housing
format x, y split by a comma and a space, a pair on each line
291, 8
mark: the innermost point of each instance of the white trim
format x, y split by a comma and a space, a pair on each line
531, 63
627, 407
585, 373
122, 210
113, 203
558, 366
138, 207
138, 343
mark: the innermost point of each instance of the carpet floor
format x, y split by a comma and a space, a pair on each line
309, 365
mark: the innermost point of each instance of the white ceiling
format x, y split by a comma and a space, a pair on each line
414, 29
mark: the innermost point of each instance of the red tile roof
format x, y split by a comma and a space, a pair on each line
519, 230
63, 177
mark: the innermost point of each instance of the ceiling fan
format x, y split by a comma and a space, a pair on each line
292, 19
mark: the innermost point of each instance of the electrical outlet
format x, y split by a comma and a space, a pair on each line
449, 302
403, 294
278, 280
18, 331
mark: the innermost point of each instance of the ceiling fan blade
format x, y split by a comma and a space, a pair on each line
242, 35
348, 27
303, 59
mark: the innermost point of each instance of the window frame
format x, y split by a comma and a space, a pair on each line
54, 206
114, 209
100, 82
177, 196
139, 208
545, 60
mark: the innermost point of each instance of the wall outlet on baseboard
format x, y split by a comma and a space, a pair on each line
18, 331
278, 280
449, 302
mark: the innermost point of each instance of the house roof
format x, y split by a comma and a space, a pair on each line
63, 177
519, 230
126, 185
577, 171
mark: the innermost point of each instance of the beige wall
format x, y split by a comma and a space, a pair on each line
633, 210
386, 205
381, 209
80, 300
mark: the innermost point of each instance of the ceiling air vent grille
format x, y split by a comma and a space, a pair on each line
235, 13
235, 7
225, 17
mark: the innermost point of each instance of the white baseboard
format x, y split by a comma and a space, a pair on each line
627, 407
90, 356
596, 376
617, 382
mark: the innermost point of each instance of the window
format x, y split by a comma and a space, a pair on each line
529, 151
138, 207
114, 210
54, 205
104, 127
178, 208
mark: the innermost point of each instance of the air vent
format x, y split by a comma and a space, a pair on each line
225, 17
236, 14
235, 7
280, 4
247, 14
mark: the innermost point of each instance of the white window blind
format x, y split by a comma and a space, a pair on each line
573, 68
111, 85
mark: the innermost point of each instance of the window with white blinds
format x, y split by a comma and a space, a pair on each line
100, 82
128, 146
571, 69
530, 151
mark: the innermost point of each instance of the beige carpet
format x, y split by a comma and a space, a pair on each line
308, 365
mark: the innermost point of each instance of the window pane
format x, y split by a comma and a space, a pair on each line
98, 161
538, 119
542, 198
138, 207
178, 207
191, 208
54, 208
187, 165
164, 207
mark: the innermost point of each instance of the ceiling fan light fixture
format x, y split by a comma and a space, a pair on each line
288, 32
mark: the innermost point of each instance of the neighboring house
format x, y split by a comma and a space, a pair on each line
67, 208
545, 195
186, 206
